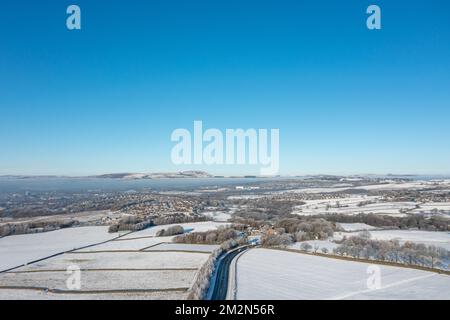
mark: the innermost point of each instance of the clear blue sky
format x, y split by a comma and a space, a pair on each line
106, 98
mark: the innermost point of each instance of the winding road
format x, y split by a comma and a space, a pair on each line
223, 271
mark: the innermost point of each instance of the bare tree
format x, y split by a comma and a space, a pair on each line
316, 247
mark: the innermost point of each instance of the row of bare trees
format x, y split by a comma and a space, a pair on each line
217, 236
420, 222
35, 227
170, 231
136, 223
203, 279
290, 230
393, 251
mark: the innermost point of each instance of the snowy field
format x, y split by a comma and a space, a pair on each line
414, 185
100, 280
192, 227
430, 207
247, 196
319, 244
184, 247
352, 206
352, 227
17, 294
128, 244
20, 249
122, 260
220, 216
152, 273
139, 267
438, 239
271, 274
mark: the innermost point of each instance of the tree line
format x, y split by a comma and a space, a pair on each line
420, 222
393, 251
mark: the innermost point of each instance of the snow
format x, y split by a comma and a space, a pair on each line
137, 261
350, 206
398, 186
127, 244
246, 197
272, 274
146, 239
192, 226
414, 185
21, 249
429, 207
352, 227
122, 260
438, 239
313, 243
217, 215
104, 279
318, 190
184, 247
17, 294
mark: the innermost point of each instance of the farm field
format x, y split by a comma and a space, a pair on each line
429, 207
144, 267
121, 260
192, 226
15, 294
127, 244
352, 227
351, 206
104, 280
438, 239
184, 247
219, 216
20, 249
389, 185
320, 244
274, 274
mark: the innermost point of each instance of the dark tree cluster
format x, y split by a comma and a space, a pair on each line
171, 231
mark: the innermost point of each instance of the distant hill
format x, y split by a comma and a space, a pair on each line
160, 175
124, 175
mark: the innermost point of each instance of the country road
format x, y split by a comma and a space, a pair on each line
223, 271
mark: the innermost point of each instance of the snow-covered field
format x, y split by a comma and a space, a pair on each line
414, 185
438, 239
128, 244
247, 197
272, 274
220, 216
15, 294
352, 227
20, 249
122, 260
139, 267
352, 205
119, 280
319, 244
184, 247
121, 272
430, 207
193, 227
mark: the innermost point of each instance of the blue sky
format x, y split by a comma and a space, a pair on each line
106, 98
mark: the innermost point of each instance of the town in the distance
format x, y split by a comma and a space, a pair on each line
192, 235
